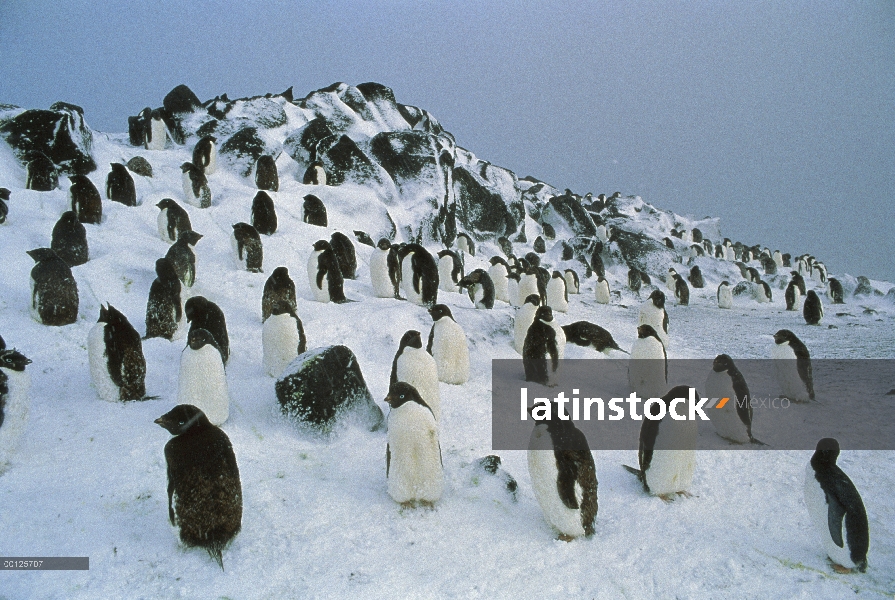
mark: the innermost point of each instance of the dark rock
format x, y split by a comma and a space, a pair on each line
407, 156
643, 252
364, 238
539, 246
243, 149
566, 211
549, 232
302, 144
864, 287
346, 162
140, 166
482, 210
60, 133
181, 100
323, 385
420, 119
743, 288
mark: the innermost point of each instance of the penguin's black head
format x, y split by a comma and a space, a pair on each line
401, 392
187, 167
658, 298
722, 363
117, 167
533, 299
495, 260
115, 316
164, 269
645, 331
69, 217
103, 315
199, 338
784, 336
827, 451
13, 360
557, 274
282, 308
190, 237
4, 194
545, 313
321, 245
42, 254
384, 244
280, 274
533, 259
440, 310
156, 114
725, 282
194, 306
181, 418
411, 338
166, 203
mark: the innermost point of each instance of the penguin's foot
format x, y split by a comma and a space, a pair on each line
685, 494
565, 538
840, 569
667, 498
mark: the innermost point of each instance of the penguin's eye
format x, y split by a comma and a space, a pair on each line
182, 422
401, 396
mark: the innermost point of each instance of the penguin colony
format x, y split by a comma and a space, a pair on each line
561, 465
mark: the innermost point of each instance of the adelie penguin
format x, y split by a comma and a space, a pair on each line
835, 291
413, 365
120, 186
247, 247
69, 240
793, 296
734, 420
564, 477
573, 285
15, 401
653, 313
205, 154
447, 345
266, 175
115, 351
264, 215
836, 510
813, 309
202, 313
762, 292
204, 490
725, 295
681, 291
173, 220
345, 254
54, 291
498, 273
279, 288
183, 258
525, 316
4, 209
315, 174
202, 381
325, 275
799, 281
480, 288
40, 173
313, 211
667, 454
541, 350
282, 338
634, 280
793, 366
195, 186
450, 270
85, 200
164, 308
156, 131
648, 367
557, 295
465, 244
413, 463
385, 270
695, 277
590, 335
419, 275
601, 291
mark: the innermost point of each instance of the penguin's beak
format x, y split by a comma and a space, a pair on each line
389, 399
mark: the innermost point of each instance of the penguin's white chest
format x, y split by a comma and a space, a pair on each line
818, 510
729, 254
99, 364
15, 413
797, 297
158, 135
544, 474
498, 275
725, 297
321, 293
212, 160
163, 226
528, 285
379, 277
571, 283
320, 175
415, 472
445, 274
513, 292
602, 292
450, 351
418, 368
671, 471
188, 188
525, 316
646, 368
203, 383
670, 282
560, 339
279, 339
556, 294
787, 372
407, 280
655, 318
726, 420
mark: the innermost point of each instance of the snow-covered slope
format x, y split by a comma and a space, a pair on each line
89, 477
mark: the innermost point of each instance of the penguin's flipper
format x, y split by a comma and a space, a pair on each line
431, 339
567, 476
388, 458
321, 273
215, 552
835, 515
637, 472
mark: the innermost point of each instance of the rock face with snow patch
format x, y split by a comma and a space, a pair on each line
323, 385
60, 133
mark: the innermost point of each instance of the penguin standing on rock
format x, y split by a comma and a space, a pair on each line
557, 295
813, 309
202, 380
54, 291
648, 367
450, 270
69, 240
480, 288
164, 309
266, 175
156, 131
447, 345
120, 186
734, 420
541, 350
325, 275
172, 220
564, 477
601, 291
345, 254
195, 186
183, 258
264, 215
282, 339
117, 364
205, 154
793, 366
590, 335
205, 314
725, 295
247, 246
413, 463
419, 275
385, 270
85, 200
204, 490
836, 509
279, 288
417, 367
653, 313
15, 400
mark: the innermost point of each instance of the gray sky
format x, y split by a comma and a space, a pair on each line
778, 117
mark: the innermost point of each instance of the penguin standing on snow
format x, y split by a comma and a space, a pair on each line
282, 339
648, 367
480, 288
205, 314
525, 316
564, 477
313, 211
590, 335
793, 366
601, 290
69, 240
385, 270
836, 509
164, 308
447, 345
85, 200
762, 291
734, 420
653, 313
557, 295
799, 281
465, 244
792, 296
264, 215
413, 464
345, 254
667, 453
573, 285
813, 309
246, 245
324, 274
172, 220
681, 291
671, 279
195, 186
541, 350
54, 291
450, 270
725, 295
156, 131
40, 173
419, 275
266, 175
596, 263
117, 364
315, 174
696, 279
835, 292
4, 209
513, 288
202, 381
183, 258
498, 274
120, 186
417, 367
204, 490
634, 280
205, 154
278, 288
528, 284
15, 400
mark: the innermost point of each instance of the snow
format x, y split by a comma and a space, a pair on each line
89, 476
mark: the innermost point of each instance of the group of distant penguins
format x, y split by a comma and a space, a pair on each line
203, 477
